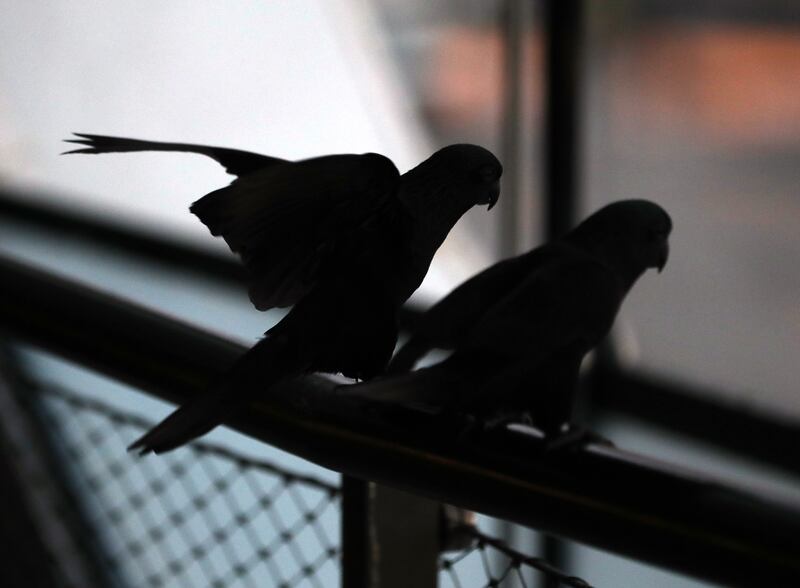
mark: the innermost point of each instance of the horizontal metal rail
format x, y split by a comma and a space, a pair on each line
606, 497
699, 413
42, 210
678, 408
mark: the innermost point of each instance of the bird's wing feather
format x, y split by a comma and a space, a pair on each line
294, 222
448, 322
565, 303
235, 161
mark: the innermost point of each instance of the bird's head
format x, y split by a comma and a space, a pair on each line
633, 233
471, 173
475, 169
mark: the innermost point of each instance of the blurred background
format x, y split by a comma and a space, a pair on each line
695, 105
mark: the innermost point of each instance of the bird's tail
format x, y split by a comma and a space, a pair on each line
268, 362
187, 422
428, 390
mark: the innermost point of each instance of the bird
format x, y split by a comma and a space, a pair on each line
342, 239
520, 329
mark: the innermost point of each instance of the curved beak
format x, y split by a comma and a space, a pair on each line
663, 255
494, 194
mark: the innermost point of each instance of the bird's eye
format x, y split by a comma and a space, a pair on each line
487, 173
654, 235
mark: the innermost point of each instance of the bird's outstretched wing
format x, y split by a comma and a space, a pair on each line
236, 162
295, 223
292, 223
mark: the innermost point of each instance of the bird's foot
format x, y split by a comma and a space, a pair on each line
501, 421
474, 427
572, 438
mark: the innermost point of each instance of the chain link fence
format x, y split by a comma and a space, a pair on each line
206, 516
500, 566
202, 516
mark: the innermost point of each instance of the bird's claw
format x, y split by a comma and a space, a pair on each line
474, 427
502, 421
573, 438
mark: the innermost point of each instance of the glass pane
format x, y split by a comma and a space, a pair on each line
696, 106
455, 56
603, 568
291, 79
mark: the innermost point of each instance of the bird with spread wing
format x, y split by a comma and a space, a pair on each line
521, 328
342, 239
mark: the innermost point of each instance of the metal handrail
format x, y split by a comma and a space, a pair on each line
679, 408
606, 497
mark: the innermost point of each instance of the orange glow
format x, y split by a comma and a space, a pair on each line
732, 84
464, 78
718, 85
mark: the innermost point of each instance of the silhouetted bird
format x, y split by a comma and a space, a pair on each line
521, 328
345, 239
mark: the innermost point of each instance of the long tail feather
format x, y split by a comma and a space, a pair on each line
427, 389
268, 362
187, 422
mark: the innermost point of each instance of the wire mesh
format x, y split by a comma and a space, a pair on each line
499, 566
207, 516
201, 516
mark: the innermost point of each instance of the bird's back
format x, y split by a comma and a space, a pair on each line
344, 326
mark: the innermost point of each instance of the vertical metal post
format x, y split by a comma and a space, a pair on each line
24, 554
563, 48
357, 551
37, 535
406, 530
390, 539
563, 75
513, 25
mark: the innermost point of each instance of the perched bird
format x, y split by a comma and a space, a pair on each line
521, 328
343, 239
